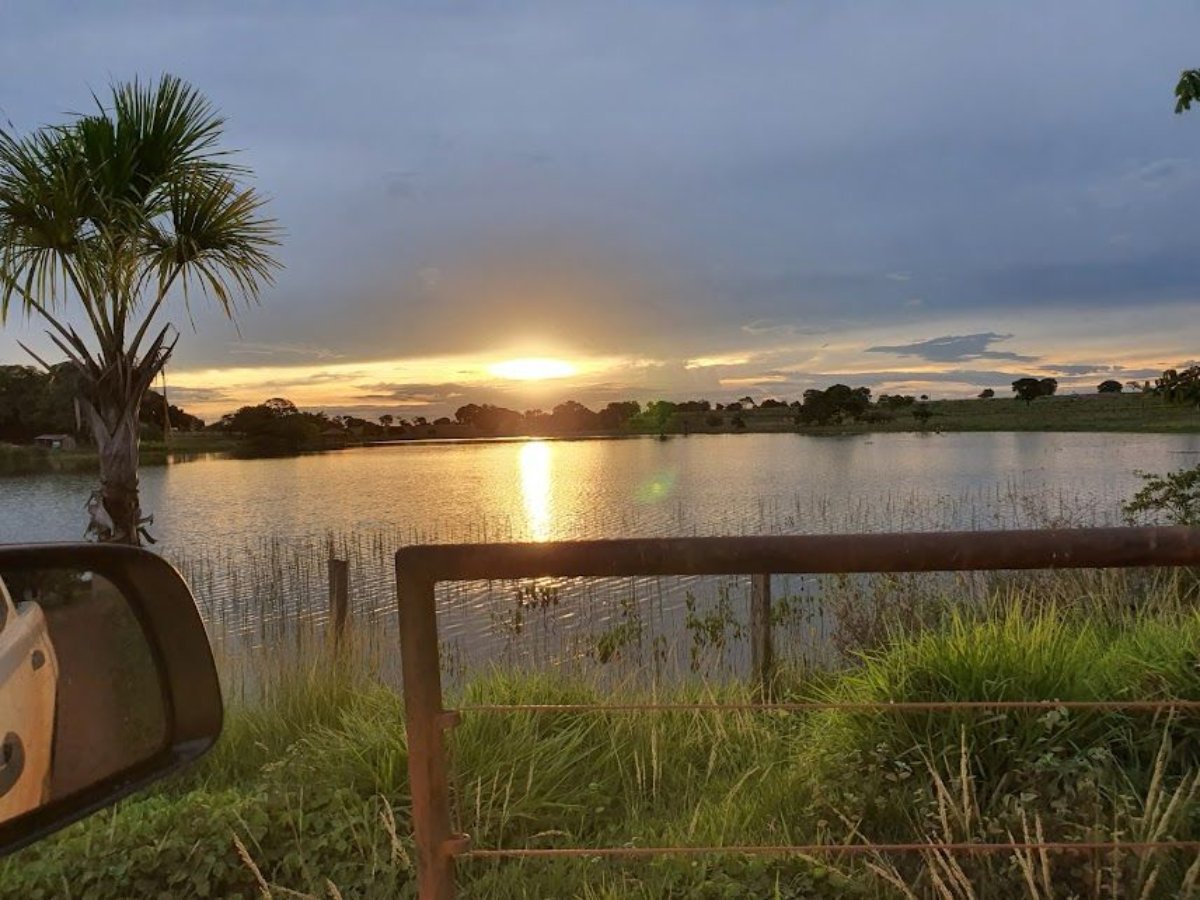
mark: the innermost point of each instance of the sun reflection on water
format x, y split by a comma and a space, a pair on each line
535, 488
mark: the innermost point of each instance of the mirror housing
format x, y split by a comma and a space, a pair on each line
187, 699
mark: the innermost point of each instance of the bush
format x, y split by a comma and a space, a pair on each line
1070, 771
1174, 496
876, 417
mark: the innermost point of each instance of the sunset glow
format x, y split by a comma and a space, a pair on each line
533, 369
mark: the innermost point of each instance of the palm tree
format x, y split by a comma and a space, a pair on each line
100, 219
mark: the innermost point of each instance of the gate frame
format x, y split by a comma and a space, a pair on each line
420, 568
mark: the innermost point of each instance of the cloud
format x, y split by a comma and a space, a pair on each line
956, 348
708, 362
418, 394
183, 394
1082, 369
776, 328
752, 380
267, 349
335, 377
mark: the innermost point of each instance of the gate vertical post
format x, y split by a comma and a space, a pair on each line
423, 715
762, 652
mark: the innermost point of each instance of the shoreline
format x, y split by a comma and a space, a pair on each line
1071, 414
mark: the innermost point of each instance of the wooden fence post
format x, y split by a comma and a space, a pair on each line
339, 598
762, 653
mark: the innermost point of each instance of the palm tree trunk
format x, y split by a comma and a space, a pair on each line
115, 508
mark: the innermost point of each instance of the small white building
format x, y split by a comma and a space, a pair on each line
55, 441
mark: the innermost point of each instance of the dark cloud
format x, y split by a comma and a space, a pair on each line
780, 329
1084, 369
183, 395
414, 394
267, 349
956, 348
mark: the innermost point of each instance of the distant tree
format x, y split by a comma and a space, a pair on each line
443, 420
276, 426
834, 404
772, 403
420, 421
488, 419
1029, 389
896, 401
1110, 387
987, 394
535, 420
572, 417
153, 405
386, 421
281, 406
1187, 89
1180, 387
658, 413
618, 413
922, 413
34, 402
732, 406
469, 414
747, 401
925, 397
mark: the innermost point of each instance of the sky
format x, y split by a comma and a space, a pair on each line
679, 199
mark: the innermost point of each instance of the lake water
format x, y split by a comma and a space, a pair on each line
252, 534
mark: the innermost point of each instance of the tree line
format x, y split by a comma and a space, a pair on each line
33, 402
277, 425
36, 401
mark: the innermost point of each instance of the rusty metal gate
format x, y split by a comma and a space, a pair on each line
420, 568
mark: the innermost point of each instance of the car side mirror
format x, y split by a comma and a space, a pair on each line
107, 682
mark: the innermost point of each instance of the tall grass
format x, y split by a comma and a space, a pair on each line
306, 794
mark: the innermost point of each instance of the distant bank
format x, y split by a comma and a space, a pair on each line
1136, 412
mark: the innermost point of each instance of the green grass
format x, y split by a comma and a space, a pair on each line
1085, 412
24, 459
311, 781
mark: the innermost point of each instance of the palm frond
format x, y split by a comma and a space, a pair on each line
1187, 90
216, 238
114, 208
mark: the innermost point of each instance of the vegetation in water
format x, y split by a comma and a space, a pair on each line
1174, 496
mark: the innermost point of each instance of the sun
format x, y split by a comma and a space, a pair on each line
532, 368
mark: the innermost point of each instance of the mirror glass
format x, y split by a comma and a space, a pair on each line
81, 698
